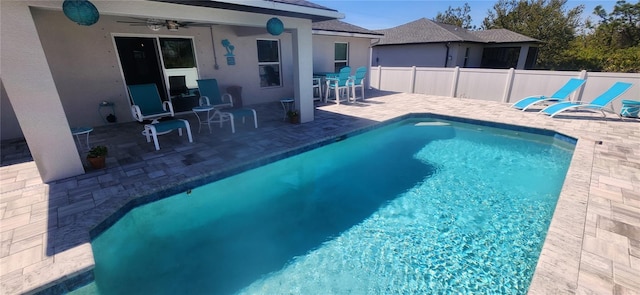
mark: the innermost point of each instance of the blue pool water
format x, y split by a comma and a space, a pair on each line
414, 207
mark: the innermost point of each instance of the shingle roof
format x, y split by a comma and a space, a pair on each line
503, 35
335, 25
427, 31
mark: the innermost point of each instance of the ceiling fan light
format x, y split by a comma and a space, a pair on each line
172, 25
154, 24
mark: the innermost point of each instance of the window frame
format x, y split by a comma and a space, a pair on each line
262, 64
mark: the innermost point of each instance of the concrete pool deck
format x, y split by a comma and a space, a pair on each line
593, 244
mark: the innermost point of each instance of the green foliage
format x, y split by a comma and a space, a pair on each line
545, 20
456, 16
293, 113
97, 151
613, 45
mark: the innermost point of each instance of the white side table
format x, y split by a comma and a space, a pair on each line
206, 119
77, 131
288, 104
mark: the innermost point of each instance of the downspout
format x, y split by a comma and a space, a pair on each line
446, 57
374, 43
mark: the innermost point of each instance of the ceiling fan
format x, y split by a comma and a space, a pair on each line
157, 24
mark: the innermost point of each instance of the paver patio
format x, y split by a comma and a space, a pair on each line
593, 244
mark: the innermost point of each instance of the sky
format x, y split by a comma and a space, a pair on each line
384, 14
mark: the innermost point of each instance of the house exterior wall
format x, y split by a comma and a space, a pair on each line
434, 54
458, 53
408, 55
87, 71
323, 52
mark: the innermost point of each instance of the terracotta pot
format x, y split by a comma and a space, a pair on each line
294, 119
97, 162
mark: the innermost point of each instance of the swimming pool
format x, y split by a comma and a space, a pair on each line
418, 206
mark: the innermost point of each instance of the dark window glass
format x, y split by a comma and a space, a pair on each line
500, 58
177, 53
268, 51
341, 51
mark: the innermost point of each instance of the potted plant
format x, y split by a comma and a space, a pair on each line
294, 116
97, 156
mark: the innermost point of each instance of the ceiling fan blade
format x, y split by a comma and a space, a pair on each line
130, 22
199, 25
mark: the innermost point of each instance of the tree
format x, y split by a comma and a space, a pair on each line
613, 44
545, 20
456, 16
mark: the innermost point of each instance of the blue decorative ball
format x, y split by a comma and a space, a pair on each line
82, 12
275, 26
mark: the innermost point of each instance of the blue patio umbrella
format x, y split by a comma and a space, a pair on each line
82, 12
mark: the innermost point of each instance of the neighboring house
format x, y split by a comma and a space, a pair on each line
425, 43
56, 73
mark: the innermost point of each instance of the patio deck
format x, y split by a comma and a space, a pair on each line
593, 245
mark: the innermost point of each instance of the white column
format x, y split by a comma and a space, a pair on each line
30, 88
522, 58
303, 71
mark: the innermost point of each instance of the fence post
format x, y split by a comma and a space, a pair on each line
413, 79
508, 86
577, 96
379, 76
454, 83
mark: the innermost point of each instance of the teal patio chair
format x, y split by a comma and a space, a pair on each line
223, 103
339, 84
597, 104
571, 86
357, 81
147, 104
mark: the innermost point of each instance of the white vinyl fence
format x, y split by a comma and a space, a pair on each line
505, 86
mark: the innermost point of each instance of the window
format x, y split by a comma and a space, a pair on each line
269, 63
177, 53
500, 58
341, 56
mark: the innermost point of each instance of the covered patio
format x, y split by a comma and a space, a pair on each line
593, 245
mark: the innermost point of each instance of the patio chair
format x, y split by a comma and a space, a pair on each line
597, 104
339, 84
147, 104
358, 81
572, 85
224, 109
164, 127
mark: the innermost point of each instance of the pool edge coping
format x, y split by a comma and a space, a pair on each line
81, 278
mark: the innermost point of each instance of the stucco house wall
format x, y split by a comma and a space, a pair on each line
323, 52
407, 55
86, 68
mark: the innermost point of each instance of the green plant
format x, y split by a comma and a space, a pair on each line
293, 114
97, 151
